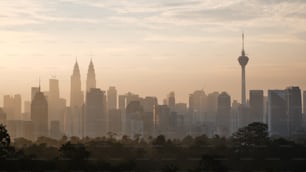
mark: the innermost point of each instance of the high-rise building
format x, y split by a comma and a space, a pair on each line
75, 118
130, 97
34, 90
243, 61
56, 105
91, 77
212, 107
197, 106
12, 107
122, 102
112, 98
223, 120
277, 116
284, 111
256, 106
161, 119
170, 101
294, 109
95, 113
134, 119
39, 114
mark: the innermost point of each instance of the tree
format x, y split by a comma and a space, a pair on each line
5, 140
254, 134
74, 151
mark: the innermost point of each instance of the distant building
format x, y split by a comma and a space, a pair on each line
198, 106
56, 105
285, 112
161, 119
115, 121
75, 120
91, 77
170, 101
134, 119
294, 109
12, 106
95, 113
256, 105
122, 102
243, 61
223, 122
34, 90
112, 98
55, 131
39, 115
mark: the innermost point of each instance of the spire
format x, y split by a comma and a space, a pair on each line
39, 84
243, 52
91, 76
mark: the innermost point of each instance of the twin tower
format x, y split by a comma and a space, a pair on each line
76, 94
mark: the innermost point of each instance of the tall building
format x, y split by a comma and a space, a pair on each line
75, 124
56, 105
170, 101
294, 109
95, 113
161, 119
12, 106
112, 98
243, 61
91, 77
277, 115
122, 102
39, 114
197, 106
256, 105
223, 120
285, 111
34, 90
134, 119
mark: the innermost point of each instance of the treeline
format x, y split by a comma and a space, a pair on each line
248, 149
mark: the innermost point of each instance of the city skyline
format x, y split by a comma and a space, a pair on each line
135, 45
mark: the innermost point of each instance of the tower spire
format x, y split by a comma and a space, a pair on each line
243, 61
39, 84
243, 52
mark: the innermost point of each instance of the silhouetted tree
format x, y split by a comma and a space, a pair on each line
5, 140
159, 140
74, 151
252, 135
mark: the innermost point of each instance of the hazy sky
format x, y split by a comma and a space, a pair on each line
152, 47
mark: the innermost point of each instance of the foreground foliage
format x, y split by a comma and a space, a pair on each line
249, 149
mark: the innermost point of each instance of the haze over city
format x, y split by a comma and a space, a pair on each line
152, 47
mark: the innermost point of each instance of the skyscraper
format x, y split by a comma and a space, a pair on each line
75, 118
171, 101
95, 113
39, 114
223, 120
56, 105
294, 109
256, 105
34, 90
12, 106
277, 116
243, 61
91, 77
112, 98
